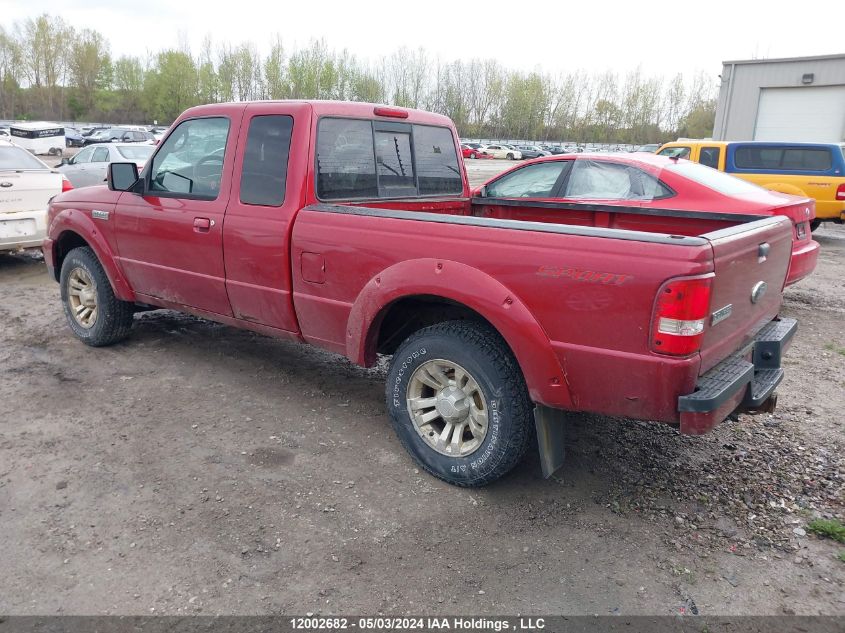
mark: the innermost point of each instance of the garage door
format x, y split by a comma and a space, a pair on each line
814, 113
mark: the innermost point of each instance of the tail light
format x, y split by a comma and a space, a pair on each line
840, 192
680, 312
66, 184
396, 113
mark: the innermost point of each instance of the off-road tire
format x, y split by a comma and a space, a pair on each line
114, 317
486, 357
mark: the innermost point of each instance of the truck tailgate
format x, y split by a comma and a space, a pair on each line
751, 263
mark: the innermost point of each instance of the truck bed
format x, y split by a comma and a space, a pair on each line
591, 288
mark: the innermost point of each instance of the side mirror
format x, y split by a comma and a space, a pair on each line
121, 176
478, 193
65, 161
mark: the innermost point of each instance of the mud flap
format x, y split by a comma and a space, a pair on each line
551, 425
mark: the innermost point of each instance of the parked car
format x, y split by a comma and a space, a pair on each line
619, 182
555, 150
649, 148
815, 170
532, 151
502, 151
89, 130
89, 166
118, 134
26, 186
350, 226
473, 152
73, 137
4, 132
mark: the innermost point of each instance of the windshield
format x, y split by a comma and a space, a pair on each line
136, 152
714, 179
17, 158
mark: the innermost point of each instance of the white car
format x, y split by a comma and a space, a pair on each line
500, 150
26, 187
89, 166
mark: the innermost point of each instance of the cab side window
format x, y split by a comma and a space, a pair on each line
265, 167
709, 156
190, 162
675, 152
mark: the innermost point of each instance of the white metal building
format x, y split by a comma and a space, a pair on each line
793, 99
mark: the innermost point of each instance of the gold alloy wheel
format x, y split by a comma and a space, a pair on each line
448, 408
82, 297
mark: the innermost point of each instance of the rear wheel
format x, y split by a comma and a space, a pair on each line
94, 314
473, 155
458, 402
815, 224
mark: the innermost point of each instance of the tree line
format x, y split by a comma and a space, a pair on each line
51, 70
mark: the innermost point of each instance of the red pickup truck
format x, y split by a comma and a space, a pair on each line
351, 227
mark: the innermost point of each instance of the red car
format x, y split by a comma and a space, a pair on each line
611, 182
468, 151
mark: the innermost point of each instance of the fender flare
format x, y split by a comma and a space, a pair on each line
78, 222
475, 290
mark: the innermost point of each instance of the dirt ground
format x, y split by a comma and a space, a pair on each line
199, 469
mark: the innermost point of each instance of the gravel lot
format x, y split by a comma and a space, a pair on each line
199, 469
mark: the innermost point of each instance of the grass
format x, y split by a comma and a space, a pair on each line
833, 347
830, 528
842, 556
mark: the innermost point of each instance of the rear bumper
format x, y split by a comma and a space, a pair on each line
742, 382
805, 255
22, 229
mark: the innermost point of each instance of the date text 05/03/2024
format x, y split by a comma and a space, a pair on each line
479, 625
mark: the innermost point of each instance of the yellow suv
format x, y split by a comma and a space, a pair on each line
812, 170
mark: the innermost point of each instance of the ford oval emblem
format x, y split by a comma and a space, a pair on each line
5, 183
758, 291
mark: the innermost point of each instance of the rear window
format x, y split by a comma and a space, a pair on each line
437, 162
135, 152
377, 159
346, 164
714, 179
17, 158
783, 158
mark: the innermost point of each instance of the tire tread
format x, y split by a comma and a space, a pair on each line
117, 315
489, 343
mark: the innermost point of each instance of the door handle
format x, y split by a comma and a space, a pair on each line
201, 225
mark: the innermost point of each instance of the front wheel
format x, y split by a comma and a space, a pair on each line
94, 314
458, 402
510, 157
473, 155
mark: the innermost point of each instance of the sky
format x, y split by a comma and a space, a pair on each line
658, 36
